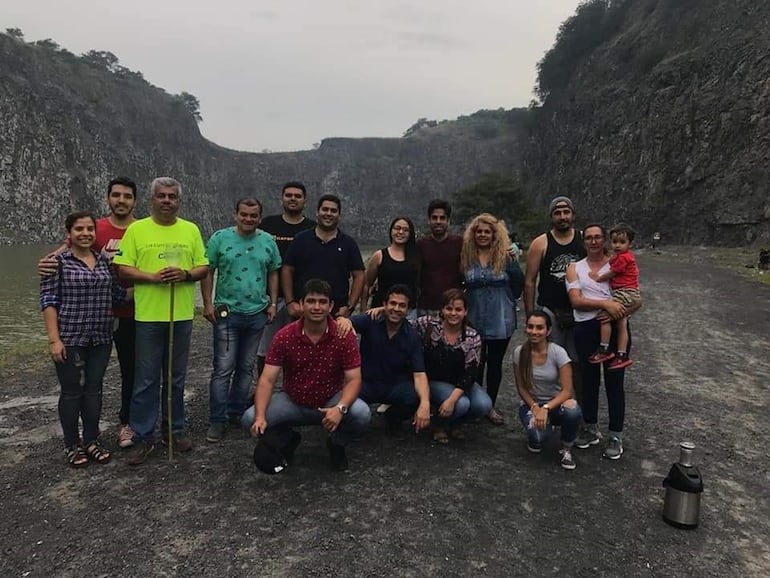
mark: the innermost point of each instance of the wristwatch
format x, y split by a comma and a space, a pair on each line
187, 276
545, 406
343, 408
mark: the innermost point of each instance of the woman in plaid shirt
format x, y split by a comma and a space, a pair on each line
77, 309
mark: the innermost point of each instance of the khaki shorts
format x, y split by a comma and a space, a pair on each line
626, 297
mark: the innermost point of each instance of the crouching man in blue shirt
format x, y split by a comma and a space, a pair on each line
392, 363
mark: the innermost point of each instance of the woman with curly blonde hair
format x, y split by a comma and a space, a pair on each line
493, 282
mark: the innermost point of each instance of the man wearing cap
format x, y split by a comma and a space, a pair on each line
548, 257
321, 381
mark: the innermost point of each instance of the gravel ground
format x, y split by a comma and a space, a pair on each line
483, 506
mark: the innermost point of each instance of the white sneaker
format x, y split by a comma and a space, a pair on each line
567, 462
125, 436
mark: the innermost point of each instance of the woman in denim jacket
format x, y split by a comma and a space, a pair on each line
493, 282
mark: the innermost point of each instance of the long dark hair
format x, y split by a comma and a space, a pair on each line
410, 249
525, 355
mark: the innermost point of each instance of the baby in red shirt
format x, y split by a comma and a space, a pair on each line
624, 282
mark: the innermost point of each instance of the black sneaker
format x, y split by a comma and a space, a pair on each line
394, 416
337, 457
534, 447
288, 450
139, 453
216, 432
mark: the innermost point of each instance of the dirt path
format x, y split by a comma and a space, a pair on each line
480, 507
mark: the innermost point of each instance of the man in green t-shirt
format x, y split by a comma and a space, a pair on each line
246, 261
162, 255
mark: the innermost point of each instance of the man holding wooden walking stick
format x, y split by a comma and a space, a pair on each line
164, 256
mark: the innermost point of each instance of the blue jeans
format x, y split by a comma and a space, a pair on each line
236, 340
81, 376
150, 385
471, 405
283, 414
566, 417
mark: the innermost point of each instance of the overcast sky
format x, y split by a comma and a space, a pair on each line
282, 74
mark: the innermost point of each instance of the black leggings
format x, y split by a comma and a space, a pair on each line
492, 354
125, 344
80, 376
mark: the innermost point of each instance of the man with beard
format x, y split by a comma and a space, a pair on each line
440, 259
283, 227
121, 198
324, 253
164, 256
246, 261
548, 257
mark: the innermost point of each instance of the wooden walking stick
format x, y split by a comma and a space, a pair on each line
170, 374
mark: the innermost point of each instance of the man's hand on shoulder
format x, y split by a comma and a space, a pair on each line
344, 326
47, 266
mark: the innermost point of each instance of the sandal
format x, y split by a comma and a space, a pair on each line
76, 457
495, 417
440, 436
97, 453
457, 434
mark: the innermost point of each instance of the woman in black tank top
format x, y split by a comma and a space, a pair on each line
398, 263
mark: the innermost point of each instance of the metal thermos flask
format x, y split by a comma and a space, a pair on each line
684, 487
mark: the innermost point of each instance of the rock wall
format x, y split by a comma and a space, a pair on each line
66, 128
666, 125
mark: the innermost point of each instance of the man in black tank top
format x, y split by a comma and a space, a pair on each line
548, 257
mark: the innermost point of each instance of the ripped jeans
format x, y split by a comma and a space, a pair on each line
567, 415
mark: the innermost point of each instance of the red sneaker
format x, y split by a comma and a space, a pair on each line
621, 360
601, 356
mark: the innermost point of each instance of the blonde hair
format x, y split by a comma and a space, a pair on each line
498, 255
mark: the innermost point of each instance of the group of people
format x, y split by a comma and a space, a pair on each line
437, 315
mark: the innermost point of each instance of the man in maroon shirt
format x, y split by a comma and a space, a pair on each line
321, 381
440, 259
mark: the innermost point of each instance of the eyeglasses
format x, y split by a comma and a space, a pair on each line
401, 229
593, 239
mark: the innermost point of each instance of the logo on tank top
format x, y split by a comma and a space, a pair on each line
559, 265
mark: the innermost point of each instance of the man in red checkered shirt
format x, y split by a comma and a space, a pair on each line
321, 381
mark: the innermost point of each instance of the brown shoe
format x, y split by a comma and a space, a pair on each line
440, 436
138, 454
182, 442
495, 417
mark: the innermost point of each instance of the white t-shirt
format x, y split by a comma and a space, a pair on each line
545, 378
589, 288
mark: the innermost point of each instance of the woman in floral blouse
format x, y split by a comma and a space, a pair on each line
452, 355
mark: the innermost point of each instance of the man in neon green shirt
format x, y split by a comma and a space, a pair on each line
161, 254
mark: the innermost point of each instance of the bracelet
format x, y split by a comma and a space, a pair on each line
273, 304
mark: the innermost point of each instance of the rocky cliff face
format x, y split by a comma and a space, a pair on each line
666, 123
656, 112
66, 128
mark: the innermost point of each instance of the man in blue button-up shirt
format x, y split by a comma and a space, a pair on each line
392, 364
